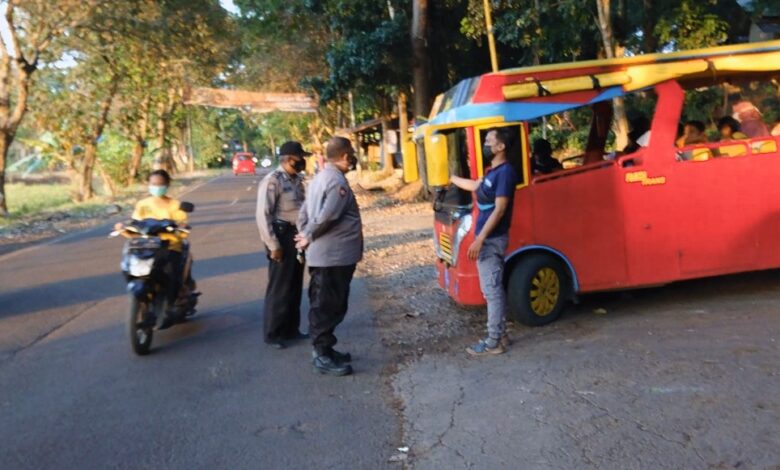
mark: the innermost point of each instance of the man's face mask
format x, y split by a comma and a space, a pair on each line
487, 152
352, 160
158, 191
299, 165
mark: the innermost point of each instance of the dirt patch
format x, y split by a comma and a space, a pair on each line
414, 314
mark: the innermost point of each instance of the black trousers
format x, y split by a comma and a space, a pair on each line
282, 310
328, 301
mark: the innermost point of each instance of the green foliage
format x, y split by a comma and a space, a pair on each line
537, 32
206, 141
114, 150
691, 26
705, 105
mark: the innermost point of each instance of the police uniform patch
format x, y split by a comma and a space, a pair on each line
342, 191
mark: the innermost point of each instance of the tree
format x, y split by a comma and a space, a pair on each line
690, 26
33, 28
420, 58
612, 50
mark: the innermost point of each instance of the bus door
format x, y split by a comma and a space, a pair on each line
646, 194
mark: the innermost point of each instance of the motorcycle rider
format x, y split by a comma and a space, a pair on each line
160, 206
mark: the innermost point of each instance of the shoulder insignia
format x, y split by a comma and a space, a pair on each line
342, 191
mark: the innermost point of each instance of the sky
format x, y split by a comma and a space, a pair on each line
229, 6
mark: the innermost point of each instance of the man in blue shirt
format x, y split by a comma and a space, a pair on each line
495, 196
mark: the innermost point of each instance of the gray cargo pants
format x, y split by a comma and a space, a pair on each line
490, 265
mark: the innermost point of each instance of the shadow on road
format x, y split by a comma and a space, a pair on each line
110, 284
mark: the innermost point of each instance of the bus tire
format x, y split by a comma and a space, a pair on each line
537, 290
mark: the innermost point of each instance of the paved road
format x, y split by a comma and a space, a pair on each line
72, 394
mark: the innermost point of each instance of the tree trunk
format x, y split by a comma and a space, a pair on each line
649, 41
86, 192
421, 76
162, 159
165, 110
141, 132
135, 162
10, 118
420, 59
108, 183
605, 27
190, 147
538, 23
5, 143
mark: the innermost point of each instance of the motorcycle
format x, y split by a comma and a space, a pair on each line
143, 260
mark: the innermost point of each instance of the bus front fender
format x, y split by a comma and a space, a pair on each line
514, 257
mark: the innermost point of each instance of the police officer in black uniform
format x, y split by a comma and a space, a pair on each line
279, 200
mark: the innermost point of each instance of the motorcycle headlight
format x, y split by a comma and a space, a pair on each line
139, 267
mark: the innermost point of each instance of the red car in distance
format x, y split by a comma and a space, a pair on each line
243, 163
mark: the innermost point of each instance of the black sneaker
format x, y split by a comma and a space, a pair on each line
340, 357
326, 365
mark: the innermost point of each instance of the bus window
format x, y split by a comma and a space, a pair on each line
588, 133
458, 163
514, 151
736, 118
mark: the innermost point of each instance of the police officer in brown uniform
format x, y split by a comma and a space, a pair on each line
279, 200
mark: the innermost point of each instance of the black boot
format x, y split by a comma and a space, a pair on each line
326, 365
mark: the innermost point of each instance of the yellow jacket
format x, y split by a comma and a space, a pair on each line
161, 208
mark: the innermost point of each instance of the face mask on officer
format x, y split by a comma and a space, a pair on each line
299, 165
352, 161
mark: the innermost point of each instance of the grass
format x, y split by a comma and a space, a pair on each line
25, 200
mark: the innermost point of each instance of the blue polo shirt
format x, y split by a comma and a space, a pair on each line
498, 182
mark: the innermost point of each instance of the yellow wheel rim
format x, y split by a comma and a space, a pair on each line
545, 290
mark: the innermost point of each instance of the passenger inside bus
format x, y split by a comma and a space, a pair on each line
776, 128
638, 136
749, 117
693, 133
542, 160
729, 129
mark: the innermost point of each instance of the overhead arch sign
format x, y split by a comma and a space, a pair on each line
257, 102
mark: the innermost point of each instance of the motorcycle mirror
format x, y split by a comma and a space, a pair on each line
187, 206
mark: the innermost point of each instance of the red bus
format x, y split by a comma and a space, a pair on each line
619, 218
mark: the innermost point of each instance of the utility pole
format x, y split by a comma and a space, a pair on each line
491, 38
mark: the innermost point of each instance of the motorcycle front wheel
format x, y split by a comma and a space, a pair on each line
140, 334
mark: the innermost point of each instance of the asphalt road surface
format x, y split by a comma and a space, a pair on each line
211, 395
